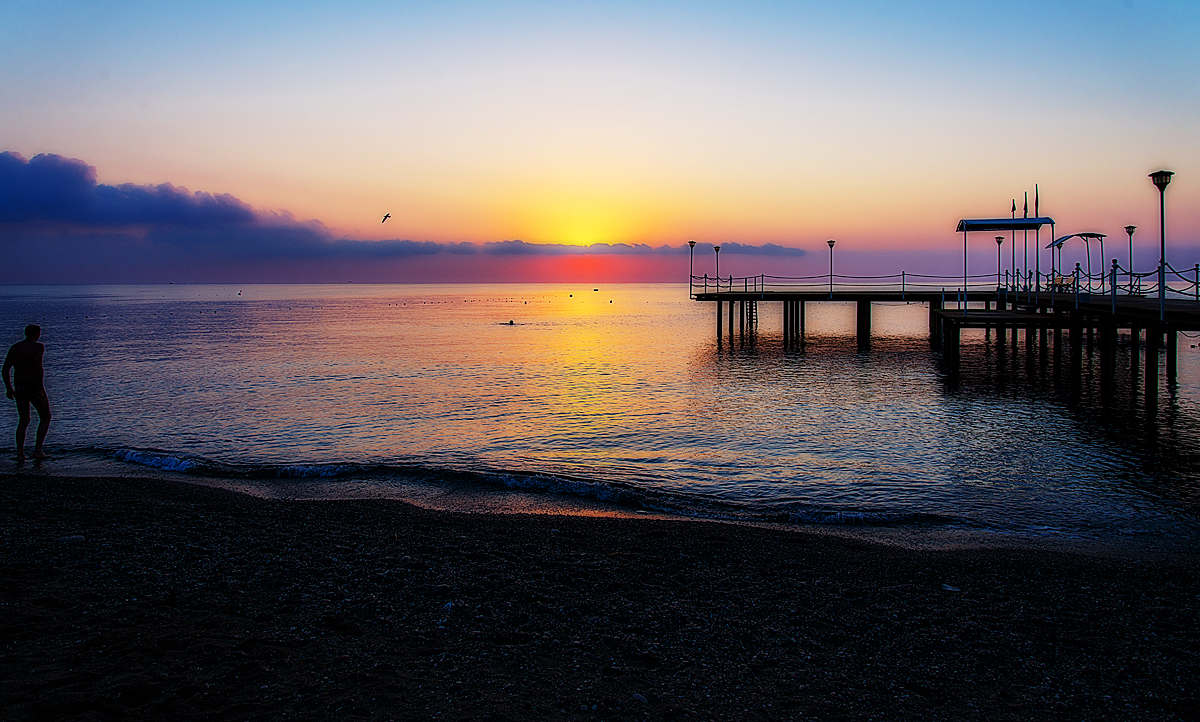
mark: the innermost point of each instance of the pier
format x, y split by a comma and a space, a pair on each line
1071, 321
1058, 312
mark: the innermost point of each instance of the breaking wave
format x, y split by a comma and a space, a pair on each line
626, 496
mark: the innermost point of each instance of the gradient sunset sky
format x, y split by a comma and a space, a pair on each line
876, 123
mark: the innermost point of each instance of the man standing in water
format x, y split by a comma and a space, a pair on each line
25, 359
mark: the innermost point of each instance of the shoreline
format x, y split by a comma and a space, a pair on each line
454, 492
148, 598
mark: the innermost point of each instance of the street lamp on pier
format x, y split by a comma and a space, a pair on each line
691, 274
831, 242
1130, 230
999, 243
717, 250
1161, 179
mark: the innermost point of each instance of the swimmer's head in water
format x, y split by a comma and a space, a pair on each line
32, 332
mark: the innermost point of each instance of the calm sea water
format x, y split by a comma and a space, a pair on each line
618, 394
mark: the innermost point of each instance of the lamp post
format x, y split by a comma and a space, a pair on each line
999, 243
831, 242
1161, 179
691, 274
1130, 230
717, 250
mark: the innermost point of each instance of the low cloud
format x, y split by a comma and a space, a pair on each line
52, 188
521, 248
57, 224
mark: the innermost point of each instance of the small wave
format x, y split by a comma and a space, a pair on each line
867, 518
200, 466
598, 490
157, 460
323, 471
607, 492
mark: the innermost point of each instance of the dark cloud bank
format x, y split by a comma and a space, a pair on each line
58, 225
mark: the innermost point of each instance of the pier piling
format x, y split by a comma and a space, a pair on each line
1172, 357
864, 324
1153, 339
1076, 347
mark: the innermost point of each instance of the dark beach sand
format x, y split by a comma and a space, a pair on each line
139, 599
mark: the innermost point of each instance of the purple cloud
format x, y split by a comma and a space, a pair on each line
50, 187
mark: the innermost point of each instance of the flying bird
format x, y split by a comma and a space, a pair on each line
385, 217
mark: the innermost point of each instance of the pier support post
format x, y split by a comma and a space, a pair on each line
731, 311
864, 324
1058, 344
1172, 357
935, 324
720, 303
1076, 349
1135, 359
742, 319
801, 305
950, 340
1153, 337
787, 324
1108, 358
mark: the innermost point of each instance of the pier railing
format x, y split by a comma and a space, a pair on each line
1115, 281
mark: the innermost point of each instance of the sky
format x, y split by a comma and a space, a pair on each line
225, 141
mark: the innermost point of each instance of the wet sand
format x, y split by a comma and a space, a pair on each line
147, 599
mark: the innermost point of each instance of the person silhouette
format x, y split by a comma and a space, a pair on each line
25, 360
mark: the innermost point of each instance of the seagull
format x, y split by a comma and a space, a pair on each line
385, 217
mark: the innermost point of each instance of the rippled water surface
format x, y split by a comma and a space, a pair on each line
619, 393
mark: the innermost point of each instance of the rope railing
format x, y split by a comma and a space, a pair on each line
1115, 281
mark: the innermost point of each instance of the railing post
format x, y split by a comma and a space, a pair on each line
1197, 288
706, 282
1114, 289
1077, 288
904, 284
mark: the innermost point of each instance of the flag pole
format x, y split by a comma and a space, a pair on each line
1037, 243
1014, 242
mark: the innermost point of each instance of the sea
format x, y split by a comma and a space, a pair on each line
611, 399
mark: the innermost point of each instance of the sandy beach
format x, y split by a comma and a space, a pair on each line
144, 599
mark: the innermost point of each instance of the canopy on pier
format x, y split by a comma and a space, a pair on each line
1002, 224
967, 225
1085, 236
